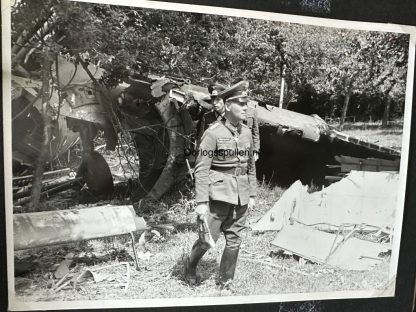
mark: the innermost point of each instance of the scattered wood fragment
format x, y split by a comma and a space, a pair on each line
249, 252
61, 280
63, 268
77, 278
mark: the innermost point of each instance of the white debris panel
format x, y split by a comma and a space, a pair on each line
336, 249
361, 201
362, 198
282, 210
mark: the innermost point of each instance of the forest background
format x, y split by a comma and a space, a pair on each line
335, 73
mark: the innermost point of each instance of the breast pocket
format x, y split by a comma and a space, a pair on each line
224, 150
215, 177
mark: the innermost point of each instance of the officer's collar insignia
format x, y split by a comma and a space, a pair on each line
236, 130
224, 139
239, 127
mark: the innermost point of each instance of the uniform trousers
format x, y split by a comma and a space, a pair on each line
227, 218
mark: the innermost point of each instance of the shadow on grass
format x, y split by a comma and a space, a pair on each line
205, 270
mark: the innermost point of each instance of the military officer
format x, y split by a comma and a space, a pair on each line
225, 183
252, 122
216, 113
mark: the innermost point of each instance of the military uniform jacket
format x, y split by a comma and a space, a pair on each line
206, 120
253, 124
219, 153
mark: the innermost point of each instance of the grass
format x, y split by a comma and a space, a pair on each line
388, 138
160, 274
374, 133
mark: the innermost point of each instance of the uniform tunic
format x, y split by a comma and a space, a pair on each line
207, 119
253, 124
224, 147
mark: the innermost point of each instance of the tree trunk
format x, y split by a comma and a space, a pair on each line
345, 107
282, 85
37, 176
282, 91
386, 114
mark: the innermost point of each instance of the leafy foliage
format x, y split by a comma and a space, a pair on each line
328, 71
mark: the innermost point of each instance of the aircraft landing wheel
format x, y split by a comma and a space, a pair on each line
95, 172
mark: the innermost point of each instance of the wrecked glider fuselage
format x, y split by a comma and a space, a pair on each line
296, 146
75, 113
293, 146
161, 115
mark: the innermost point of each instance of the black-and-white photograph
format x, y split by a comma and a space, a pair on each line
162, 154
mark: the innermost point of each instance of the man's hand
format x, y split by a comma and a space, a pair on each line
201, 208
251, 203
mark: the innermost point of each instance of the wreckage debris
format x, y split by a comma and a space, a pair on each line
58, 227
63, 268
111, 276
48, 190
362, 201
348, 164
367, 198
161, 114
345, 252
94, 171
367, 164
47, 176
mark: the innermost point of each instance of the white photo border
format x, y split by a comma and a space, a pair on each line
7, 139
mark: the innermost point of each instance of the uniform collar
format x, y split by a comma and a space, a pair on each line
218, 115
236, 130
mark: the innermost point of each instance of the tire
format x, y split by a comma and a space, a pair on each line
95, 172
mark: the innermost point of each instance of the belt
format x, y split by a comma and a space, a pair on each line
235, 171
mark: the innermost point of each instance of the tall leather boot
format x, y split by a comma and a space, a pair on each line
191, 262
227, 265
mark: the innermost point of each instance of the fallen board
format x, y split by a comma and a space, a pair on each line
367, 164
306, 242
64, 226
322, 247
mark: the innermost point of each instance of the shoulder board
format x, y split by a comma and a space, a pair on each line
214, 125
244, 125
